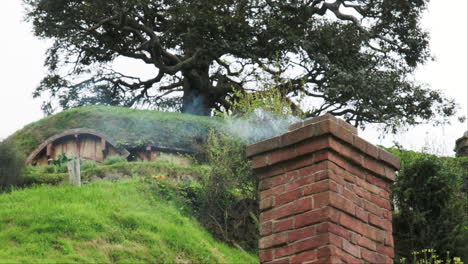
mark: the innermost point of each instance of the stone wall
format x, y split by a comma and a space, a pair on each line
324, 195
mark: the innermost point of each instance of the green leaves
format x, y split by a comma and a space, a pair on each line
428, 203
350, 59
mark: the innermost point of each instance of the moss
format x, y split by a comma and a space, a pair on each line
127, 127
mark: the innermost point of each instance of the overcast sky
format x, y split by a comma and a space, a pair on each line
22, 56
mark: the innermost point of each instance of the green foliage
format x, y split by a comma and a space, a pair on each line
128, 221
429, 256
429, 202
61, 160
49, 174
129, 127
354, 62
269, 99
12, 164
113, 160
228, 198
88, 164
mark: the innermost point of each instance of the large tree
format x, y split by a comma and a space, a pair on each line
351, 58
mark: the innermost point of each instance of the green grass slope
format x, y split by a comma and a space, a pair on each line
104, 222
127, 127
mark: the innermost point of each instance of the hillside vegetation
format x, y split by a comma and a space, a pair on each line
127, 127
127, 221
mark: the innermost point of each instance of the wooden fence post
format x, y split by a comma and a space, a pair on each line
75, 171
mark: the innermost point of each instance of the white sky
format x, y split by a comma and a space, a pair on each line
22, 56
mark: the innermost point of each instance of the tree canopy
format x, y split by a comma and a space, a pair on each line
350, 58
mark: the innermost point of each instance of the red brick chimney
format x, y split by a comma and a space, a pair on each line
324, 195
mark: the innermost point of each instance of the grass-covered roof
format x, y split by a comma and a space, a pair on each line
127, 127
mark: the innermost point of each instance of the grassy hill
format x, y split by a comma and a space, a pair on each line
126, 221
127, 127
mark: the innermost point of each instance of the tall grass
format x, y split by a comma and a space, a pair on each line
104, 222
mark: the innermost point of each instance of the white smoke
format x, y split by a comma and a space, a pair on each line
259, 125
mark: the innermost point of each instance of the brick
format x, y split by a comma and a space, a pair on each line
304, 257
341, 133
387, 251
390, 173
302, 233
300, 162
339, 161
333, 228
335, 240
372, 208
311, 217
372, 150
287, 177
362, 214
347, 258
297, 135
374, 234
347, 126
388, 215
260, 161
303, 204
321, 199
341, 203
372, 257
380, 222
267, 203
312, 170
272, 192
367, 243
314, 145
326, 251
389, 240
266, 228
360, 143
389, 158
288, 197
302, 181
351, 249
296, 126
379, 201
361, 192
374, 166
302, 245
272, 240
328, 260
318, 187
265, 255
280, 155
345, 151
332, 175
270, 171
263, 146
280, 261
351, 223
277, 213
382, 183
283, 225
350, 196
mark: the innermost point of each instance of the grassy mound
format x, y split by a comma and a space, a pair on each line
104, 222
127, 127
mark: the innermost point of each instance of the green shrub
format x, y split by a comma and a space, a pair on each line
12, 164
114, 160
228, 202
429, 256
88, 164
429, 204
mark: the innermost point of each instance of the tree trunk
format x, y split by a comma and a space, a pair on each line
197, 98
